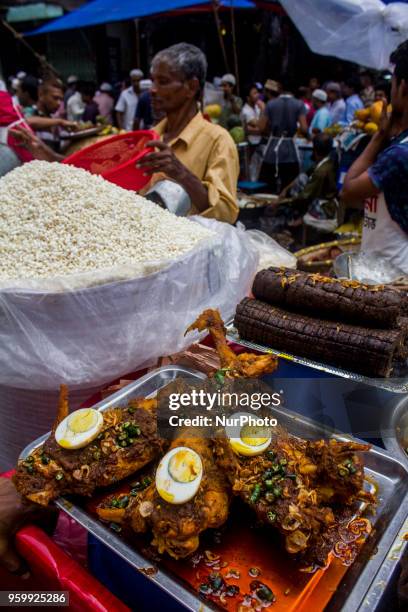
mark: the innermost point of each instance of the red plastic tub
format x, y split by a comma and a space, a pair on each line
115, 158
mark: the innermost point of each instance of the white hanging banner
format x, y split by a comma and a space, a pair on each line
361, 31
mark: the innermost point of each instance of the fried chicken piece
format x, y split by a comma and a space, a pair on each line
245, 365
63, 407
51, 471
287, 488
339, 476
176, 528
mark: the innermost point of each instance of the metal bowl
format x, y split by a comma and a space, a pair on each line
394, 431
170, 195
368, 268
323, 265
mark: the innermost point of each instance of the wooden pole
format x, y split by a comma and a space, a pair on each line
138, 59
41, 58
234, 46
220, 37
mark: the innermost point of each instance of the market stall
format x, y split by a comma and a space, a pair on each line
298, 517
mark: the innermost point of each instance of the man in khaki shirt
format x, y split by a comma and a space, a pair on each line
193, 152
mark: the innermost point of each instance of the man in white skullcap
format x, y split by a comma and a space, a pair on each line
231, 104
335, 102
322, 118
126, 105
145, 117
72, 86
104, 100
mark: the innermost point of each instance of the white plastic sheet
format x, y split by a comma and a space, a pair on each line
361, 31
270, 252
90, 336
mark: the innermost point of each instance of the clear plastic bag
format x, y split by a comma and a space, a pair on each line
362, 32
270, 253
89, 336
256, 163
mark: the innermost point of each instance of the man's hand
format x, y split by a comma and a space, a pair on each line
12, 513
70, 126
35, 145
163, 161
166, 162
386, 124
283, 194
260, 104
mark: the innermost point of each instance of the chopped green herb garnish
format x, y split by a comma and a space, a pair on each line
265, 593
255, 495
216, 581
271, 516
133, 431
123, 501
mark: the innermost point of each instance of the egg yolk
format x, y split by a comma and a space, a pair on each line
184, 466
253, 435
168, 497
82, 422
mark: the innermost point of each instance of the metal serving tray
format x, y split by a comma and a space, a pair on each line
359, 582
394, 431
396, 385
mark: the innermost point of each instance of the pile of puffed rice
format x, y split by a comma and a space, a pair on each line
57, 220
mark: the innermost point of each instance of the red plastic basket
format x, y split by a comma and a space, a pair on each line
115, 158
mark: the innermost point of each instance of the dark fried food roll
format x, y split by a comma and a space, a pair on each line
341, 300
366, 351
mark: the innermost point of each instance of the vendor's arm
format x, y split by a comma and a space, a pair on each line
35, 145
119, 119
215, 195
221, 179
313, 189
12, 514
15, 512
303, 127
47, 123
359, 183
263, 122
164, 160
252, 128
236, 105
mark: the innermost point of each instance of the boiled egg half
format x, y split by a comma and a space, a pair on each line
179, 475
79, 428
248, 440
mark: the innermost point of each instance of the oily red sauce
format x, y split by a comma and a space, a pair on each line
238, 567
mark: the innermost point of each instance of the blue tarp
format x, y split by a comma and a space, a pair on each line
106, 11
